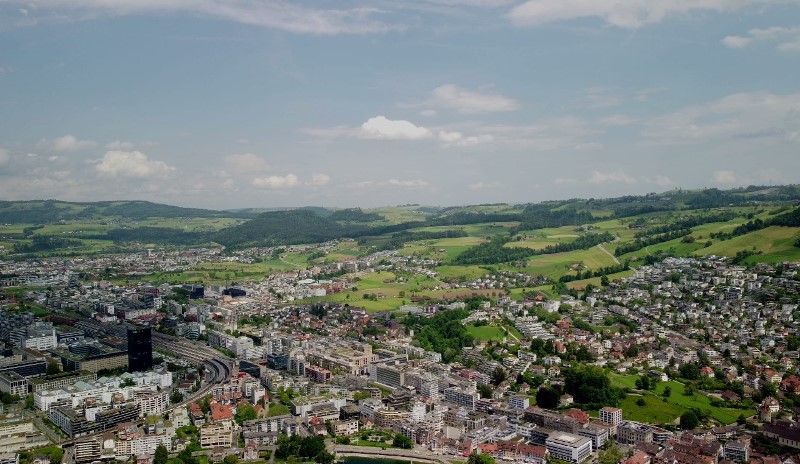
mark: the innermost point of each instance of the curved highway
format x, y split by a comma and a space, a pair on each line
217, 366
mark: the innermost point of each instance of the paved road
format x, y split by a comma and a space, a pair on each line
69, 455
289, 262
39, 423
394, 453
603, 249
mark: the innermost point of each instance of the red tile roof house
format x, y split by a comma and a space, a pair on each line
791, 384
221, 412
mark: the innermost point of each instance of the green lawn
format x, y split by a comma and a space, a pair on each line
627, 381
372, 444
702, 402
487, 332
655, 410
658, 410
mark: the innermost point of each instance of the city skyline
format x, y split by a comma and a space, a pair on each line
226, 104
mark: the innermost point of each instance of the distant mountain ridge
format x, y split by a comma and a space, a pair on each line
51, 211
318, 224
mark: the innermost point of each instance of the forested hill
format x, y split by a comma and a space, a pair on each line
282, 228
52, 211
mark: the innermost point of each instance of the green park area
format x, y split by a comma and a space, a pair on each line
662, 409
486, 333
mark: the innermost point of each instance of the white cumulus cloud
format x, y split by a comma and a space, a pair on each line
470, 102
484, 185
65, 143
131, 164
119, 145
379, 184
724, 177
788, 38
277, 182
614, 177
736, 41
457, 139
382, 128
621, 13
277, 14
743, 116
320, 179
247, 162
661, 180
415, 183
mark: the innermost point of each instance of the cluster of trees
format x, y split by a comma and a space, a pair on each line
646, 383
443, 333
8, 398
163, 235
543, 216
402, 441
591, 387
354, 215
742, 255
40, 243
480, 458
185, 456
548, 397
245, 412
543, 348
493, 252
318, 310
601, 272
308, 448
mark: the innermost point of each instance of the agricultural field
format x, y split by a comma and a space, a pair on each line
399, 214
557, 264
776, 244
460, 273
191, 224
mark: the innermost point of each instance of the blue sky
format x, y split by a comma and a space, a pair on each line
256, 103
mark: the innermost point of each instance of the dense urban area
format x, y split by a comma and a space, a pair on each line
454, 338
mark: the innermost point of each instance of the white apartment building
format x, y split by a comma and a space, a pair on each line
568, 447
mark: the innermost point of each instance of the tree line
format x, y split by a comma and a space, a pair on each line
639, 243
687, 223
788, 219
494, 251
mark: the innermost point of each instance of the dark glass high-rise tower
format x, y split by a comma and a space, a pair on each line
140, 349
